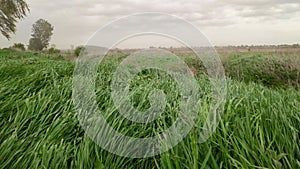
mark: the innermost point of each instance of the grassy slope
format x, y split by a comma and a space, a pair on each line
272, 70
275, 70
259, 128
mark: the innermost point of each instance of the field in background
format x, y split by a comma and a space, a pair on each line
272, 66
260, 126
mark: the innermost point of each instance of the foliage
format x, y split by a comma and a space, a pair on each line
42, 31
53, 51
35, 44
10, 12
19, 46
78, 50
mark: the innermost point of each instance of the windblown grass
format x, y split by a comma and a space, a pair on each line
260, 127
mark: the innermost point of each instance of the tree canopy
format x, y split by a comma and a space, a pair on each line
10, 12
42, 31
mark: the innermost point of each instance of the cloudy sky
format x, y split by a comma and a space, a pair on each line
223, 22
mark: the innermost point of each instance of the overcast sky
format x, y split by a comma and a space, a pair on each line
224, 22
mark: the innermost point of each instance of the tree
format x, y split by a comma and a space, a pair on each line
10, 12
35, 44
41, 35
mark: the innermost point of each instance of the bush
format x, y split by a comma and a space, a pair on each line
18, 46
78, 50
53, 51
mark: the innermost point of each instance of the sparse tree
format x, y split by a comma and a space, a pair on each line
42, 31
10, 12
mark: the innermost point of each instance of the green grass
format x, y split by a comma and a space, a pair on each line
274, 70
271, 70
260, 127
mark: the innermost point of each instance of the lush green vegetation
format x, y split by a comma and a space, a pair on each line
272, 70
260, 127
275, 70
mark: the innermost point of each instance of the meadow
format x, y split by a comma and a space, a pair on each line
260, 126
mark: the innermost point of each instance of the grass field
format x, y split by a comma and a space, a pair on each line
260, 126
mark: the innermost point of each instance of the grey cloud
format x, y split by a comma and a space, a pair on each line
264, 9
281, 11
76, 20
